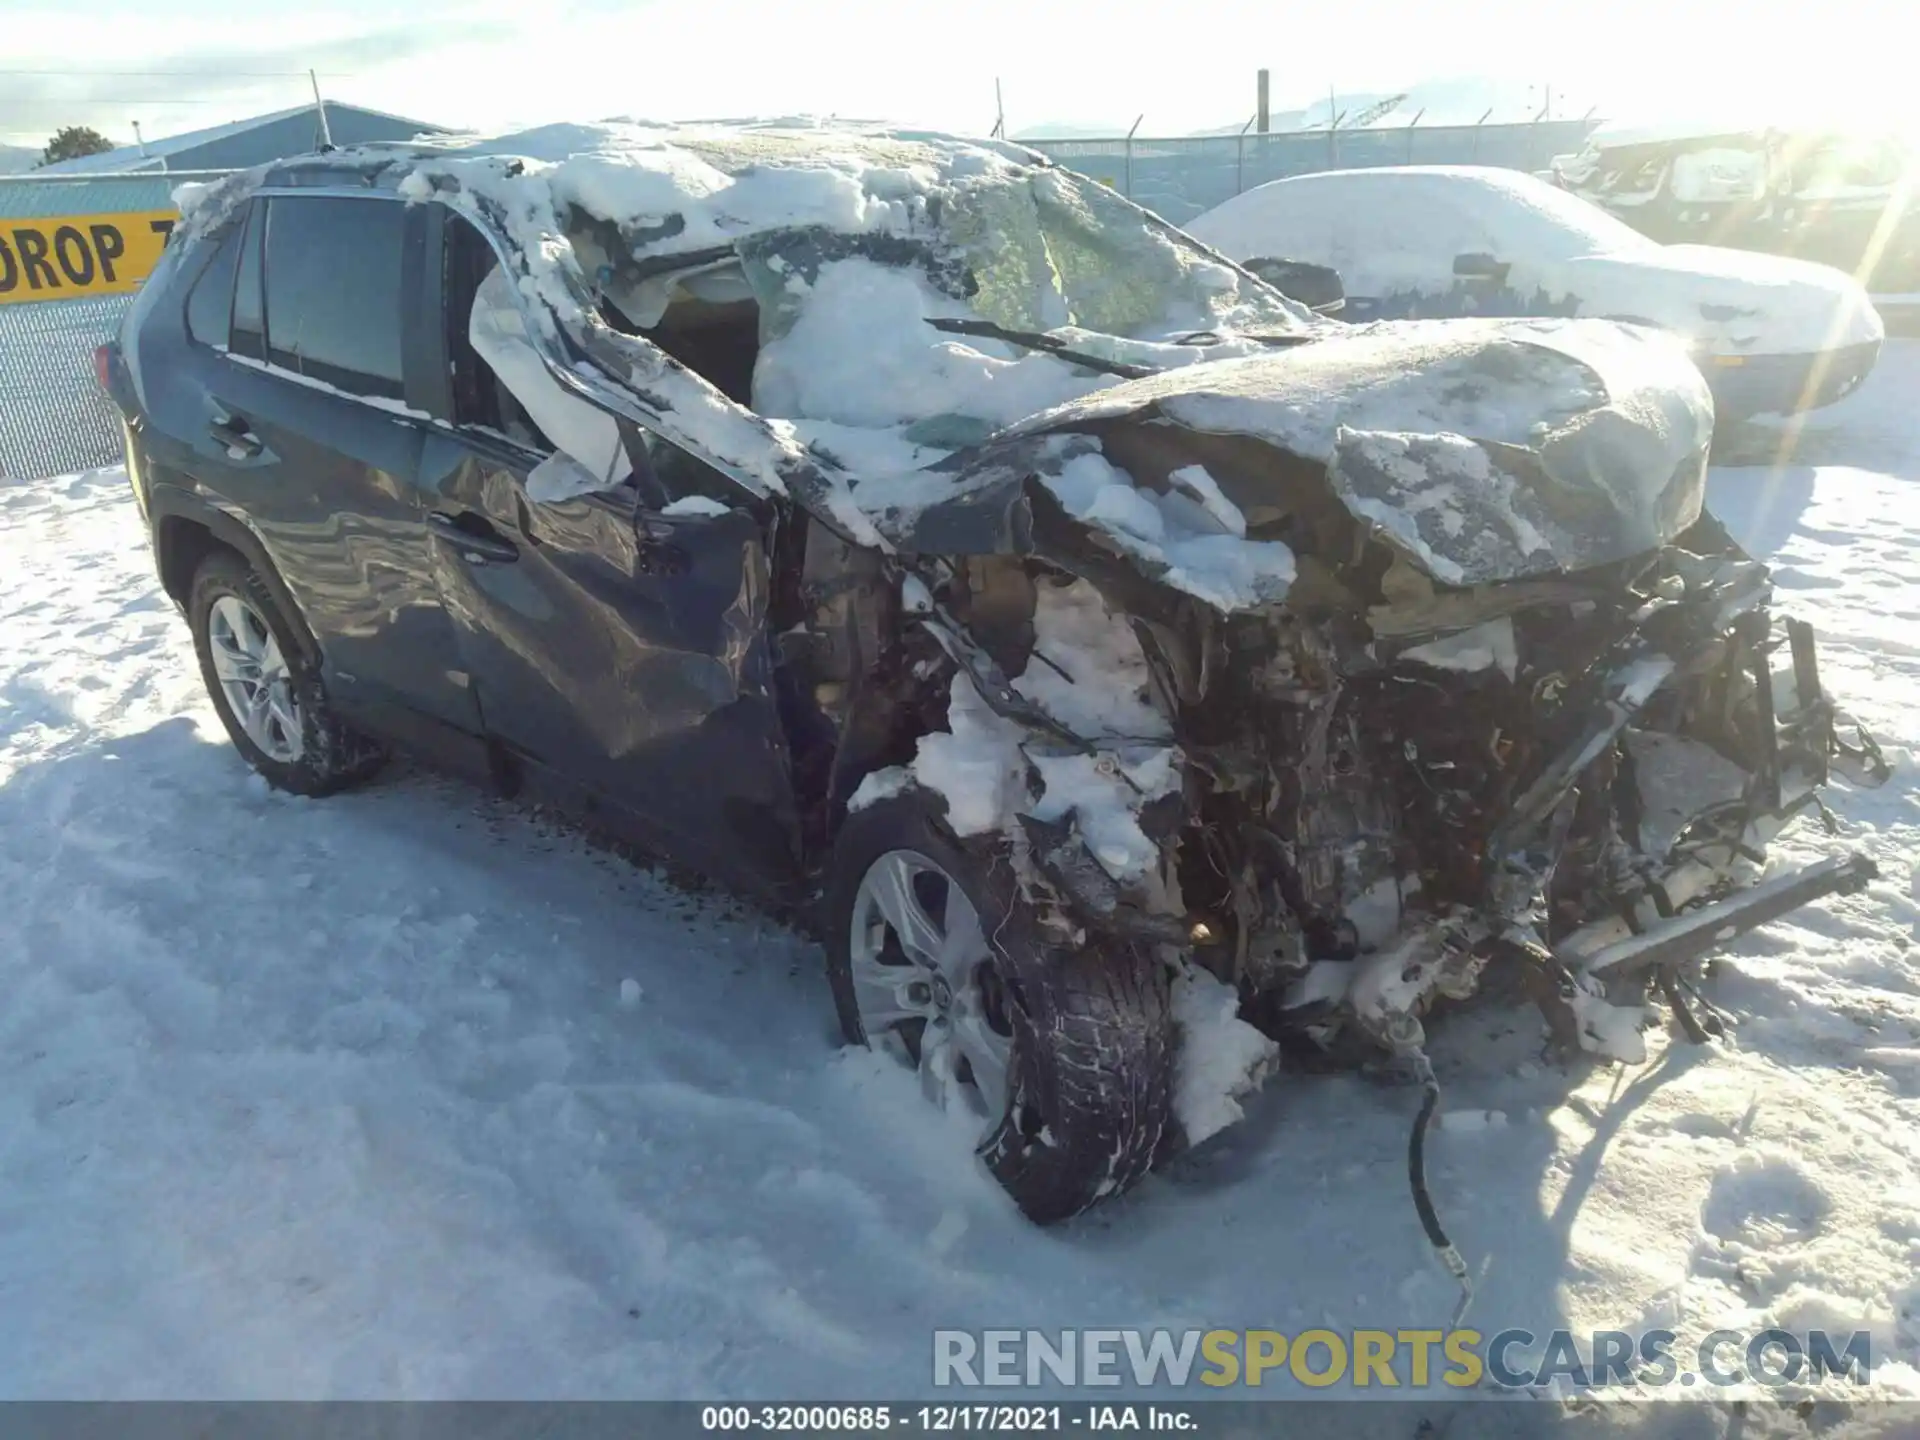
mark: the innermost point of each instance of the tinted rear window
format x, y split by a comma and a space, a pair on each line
333, 290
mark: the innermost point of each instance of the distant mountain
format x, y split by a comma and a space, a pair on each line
1461, 100
16, 158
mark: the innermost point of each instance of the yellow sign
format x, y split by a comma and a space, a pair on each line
65, 257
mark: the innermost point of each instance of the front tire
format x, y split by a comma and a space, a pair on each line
267, 693
1066, 1056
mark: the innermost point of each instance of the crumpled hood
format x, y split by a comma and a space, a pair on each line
1729, 302
1482, 449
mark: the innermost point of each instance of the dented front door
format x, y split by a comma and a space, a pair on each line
623, 653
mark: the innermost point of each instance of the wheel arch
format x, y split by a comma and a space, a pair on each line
187, 530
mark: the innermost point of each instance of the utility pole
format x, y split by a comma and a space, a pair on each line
1261, 112
999, 112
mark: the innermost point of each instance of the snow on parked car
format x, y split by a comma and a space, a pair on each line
1133, 666
1772, 335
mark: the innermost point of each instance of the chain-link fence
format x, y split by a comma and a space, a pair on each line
53, 415
1189, 175
71, 250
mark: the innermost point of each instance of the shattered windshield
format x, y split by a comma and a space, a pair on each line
869, 330
1057, 248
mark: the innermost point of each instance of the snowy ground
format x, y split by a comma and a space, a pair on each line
354, 1098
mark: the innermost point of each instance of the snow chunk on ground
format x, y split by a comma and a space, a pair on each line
1613, 1031
1180, 536
1222, 1058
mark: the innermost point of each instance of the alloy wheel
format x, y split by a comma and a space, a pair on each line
254, 678
925, 984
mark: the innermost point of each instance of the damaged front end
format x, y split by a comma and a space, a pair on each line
1351, 721
1579, 784
1506, 706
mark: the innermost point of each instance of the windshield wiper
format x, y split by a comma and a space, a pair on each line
1275, 342
1031, 341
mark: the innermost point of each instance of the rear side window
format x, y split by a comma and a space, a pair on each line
210, 303
333, 290
249, 305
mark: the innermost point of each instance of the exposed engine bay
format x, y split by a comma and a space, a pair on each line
1382, 793
1369, 809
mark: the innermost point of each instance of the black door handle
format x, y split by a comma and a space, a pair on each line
236, 435
476, 540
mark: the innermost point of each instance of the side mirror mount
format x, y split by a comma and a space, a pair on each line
1318, 287
1480, 266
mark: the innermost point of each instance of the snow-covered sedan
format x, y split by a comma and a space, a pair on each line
1772, 335
1129, 666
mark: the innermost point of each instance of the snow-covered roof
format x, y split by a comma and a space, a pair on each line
1296, 212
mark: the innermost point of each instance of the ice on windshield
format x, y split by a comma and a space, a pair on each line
844, 320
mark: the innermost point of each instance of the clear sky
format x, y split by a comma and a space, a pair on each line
1185, 64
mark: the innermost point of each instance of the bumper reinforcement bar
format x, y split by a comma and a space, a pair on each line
1692, 934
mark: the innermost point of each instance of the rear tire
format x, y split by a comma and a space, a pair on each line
250, 653
1089, 1088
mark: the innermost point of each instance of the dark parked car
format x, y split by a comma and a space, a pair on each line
1131, 666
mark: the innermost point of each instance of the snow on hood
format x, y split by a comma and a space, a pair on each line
1729, 302
1485, 450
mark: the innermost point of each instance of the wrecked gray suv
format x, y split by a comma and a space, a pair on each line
1140, 675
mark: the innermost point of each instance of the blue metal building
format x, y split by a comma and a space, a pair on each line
244, 143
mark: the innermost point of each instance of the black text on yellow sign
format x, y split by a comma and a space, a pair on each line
69, 256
